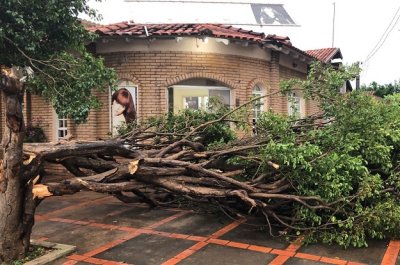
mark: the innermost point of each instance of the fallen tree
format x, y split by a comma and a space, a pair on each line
332, 176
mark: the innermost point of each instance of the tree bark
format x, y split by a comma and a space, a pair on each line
16, 199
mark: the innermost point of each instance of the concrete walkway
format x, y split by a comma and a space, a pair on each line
108, 232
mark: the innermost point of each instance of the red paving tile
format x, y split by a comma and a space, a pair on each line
197, 238
218, 241
82, 223
104, 247
184, 254
259, 248
284, 255
391, 253
283, 252
238, 245
226, 229
95, 261
127, 229
333, 261
198, 246
279, 260
160, 233
70, 262
62, 220
172, 261
181, 236
356, 263
307, 256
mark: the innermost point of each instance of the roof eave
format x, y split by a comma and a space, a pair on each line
173, 36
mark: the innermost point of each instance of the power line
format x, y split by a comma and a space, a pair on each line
385, 35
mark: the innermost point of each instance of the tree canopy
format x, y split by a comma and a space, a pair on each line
48, 37
382, 90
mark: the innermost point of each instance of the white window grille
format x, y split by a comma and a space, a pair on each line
62, 128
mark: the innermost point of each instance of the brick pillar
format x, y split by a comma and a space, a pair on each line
277, 102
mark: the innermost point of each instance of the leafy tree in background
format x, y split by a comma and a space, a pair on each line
382, 90
45, 42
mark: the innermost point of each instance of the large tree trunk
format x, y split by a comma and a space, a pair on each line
16, 201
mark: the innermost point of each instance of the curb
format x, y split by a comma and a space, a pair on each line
60, 250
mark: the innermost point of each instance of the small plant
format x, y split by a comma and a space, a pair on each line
34, 252
125, 128
34, 132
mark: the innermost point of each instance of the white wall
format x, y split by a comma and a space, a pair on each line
183, 44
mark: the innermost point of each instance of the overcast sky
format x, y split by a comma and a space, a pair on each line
359, 25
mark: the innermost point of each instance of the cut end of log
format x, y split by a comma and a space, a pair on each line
29, 160
274, 165
133, 166
41, 191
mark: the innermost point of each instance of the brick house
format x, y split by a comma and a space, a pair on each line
167, 67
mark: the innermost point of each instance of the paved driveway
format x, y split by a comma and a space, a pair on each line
108, 232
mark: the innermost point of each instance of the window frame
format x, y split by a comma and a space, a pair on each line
63, 129
258, 90
260, 104
57, 128
170, 95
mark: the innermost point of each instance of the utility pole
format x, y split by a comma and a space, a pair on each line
333, 24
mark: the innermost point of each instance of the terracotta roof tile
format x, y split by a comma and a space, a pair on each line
211, 30
325, 55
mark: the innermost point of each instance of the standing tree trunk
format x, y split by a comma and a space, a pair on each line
16, 201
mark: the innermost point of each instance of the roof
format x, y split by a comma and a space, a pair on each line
146, 30
210, 30
326, 55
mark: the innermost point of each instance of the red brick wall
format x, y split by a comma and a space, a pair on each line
154, 72
43, 111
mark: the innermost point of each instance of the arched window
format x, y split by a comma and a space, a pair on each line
195, 94
295, 108
117, 116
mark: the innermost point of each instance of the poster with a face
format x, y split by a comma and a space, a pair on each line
271, 14
123, 107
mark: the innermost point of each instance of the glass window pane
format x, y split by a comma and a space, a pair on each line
192, 102
224, 95
170, 99
189, 97
195, 97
